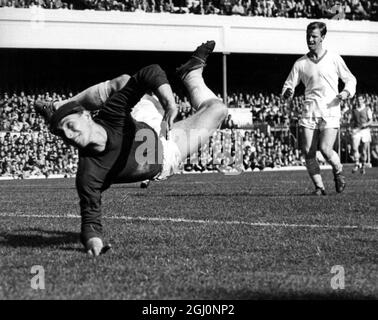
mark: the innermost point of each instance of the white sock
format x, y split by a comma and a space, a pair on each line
334, 161
198, 91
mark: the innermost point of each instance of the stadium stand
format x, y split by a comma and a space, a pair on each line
28, 149
311, 9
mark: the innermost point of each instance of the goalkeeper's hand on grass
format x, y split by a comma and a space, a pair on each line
94, 247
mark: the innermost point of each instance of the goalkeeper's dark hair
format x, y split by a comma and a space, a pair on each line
65, 110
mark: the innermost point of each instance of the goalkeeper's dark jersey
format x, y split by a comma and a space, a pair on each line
117, 163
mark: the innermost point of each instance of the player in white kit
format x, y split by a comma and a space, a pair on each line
319, 70
362, 118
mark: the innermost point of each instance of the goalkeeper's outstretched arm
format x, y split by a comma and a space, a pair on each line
94, 97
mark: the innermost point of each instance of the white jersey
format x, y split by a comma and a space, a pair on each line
321, 82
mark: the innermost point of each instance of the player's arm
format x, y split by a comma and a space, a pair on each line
154, 79
148, 79
91, 227
291, 82
165, 95
347, 77
94, 97
89, 185
370, 118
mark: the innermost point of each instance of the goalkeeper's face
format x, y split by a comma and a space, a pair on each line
77, 129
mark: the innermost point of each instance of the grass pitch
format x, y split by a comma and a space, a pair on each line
209, 236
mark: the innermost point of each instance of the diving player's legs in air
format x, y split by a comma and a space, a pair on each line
310, 140
190, 133
186, 136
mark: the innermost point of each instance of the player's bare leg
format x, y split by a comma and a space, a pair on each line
310, 139
210, 111
355, 153
327, 140
364, 157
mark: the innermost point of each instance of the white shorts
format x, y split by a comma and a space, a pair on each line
149, 111
361, 135
320, 123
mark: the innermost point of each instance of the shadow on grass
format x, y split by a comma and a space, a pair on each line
223, 294
39, 238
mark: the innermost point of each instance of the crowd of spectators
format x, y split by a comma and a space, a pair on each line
312, 9
40, 153
231, 150
273, 110
27, 147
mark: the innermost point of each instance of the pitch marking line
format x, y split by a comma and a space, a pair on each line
199, 221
